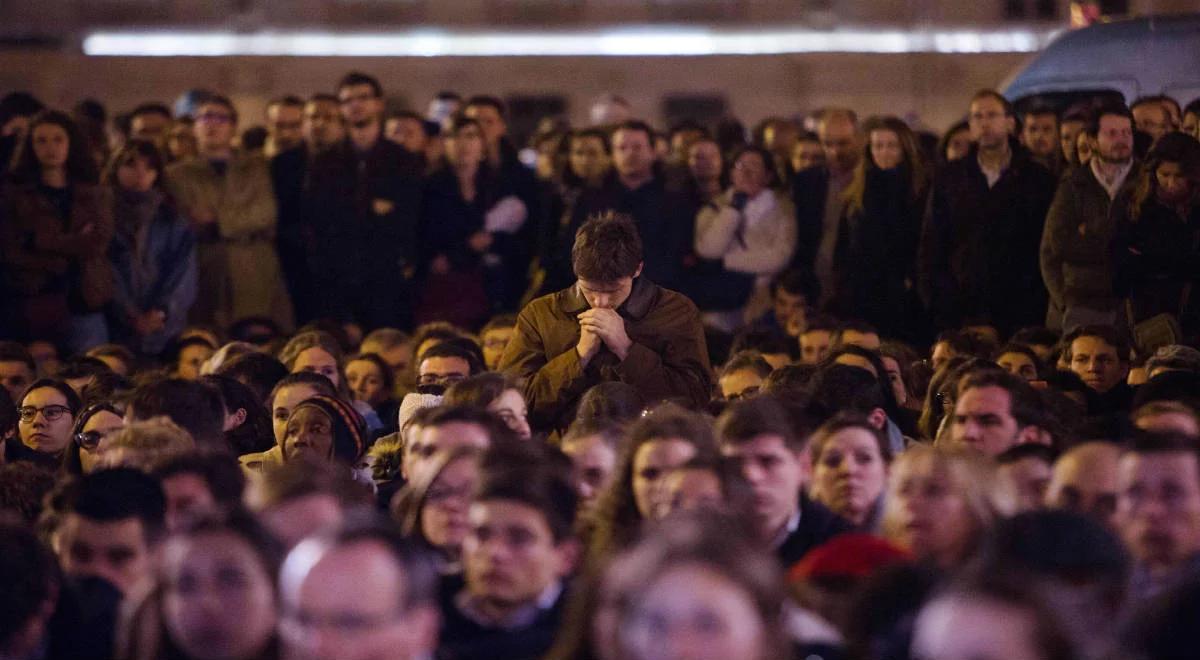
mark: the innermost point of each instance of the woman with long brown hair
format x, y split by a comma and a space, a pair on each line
57, 224
1158, 235
875, 258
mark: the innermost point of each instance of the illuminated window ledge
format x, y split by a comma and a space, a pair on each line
643, 41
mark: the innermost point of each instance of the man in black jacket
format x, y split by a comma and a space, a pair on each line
978, 258
361, 209
758, 434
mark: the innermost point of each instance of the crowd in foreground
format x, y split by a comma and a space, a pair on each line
843, 398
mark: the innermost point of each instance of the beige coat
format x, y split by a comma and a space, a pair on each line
239, 273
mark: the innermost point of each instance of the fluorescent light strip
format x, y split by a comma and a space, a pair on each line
645, 41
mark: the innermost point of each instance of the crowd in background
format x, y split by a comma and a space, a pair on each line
367, 383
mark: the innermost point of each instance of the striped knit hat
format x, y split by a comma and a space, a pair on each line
349, 428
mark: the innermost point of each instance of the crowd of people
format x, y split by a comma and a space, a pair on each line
364, 384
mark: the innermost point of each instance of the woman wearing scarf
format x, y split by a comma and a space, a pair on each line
153, 253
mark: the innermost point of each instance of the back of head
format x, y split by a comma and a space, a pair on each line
30, 577
192, 405
607, 248
220, 473
258, 371
611, 400
840, 387
111, 495
144, 444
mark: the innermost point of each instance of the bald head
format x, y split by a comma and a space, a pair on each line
838, 131
1085, 481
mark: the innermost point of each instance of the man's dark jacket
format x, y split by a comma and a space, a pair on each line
978, 258
818, 524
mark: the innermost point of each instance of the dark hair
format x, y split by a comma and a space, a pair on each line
30, 576
255, 433
841, 422
355, 78
131, 150
1018, 348
80, 165
789, 379
767, 158
19, 104
617, 518
635, 125
258, 371
762, 415
610, 400
290, 100
763, 341
533, 474
323, 96
1093, 125
1024, 403
196, 407
492, 424
11, 351
1105, 333
486, 101
23, 488
823, 323
944, 143
479, 390
505, 321
221, 100
1021, 452
385, 371
997, 96
795, 281
71, 462
8, 413
74, 403
607, 248
112, 495
314, 380
457, 347
1036, 336
840, 387
1179, 148
151, 108
220, 473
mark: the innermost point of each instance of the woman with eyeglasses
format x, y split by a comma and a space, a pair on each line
97, 422
433, 507
46, 418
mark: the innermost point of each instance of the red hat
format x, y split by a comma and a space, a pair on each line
848, 555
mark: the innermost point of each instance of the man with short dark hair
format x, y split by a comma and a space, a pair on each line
361, 592
1101, 358
194, 406
613, 324
285, 123
106, 524
1076, 248
149, 121
446, 428
1039, 134
1158, 511
790, 291
407, 129
816, 339
758, 435
17, 369
445, 364
199, 484
995, 411
361, 213
978, 259
518, 552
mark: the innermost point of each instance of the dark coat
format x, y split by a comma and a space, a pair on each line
818, 524
663, 216
668, 359
810, 187
978, 257
874, 262
361, 212
1156, 256
290, 180
1076, 249
465, 639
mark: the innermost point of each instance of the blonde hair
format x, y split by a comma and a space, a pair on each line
970, 474
144, 445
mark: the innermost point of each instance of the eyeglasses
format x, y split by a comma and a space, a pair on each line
52, 412
440, 379
89, 440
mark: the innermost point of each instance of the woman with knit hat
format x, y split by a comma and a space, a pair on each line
324, 428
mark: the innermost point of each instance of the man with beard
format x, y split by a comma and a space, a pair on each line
361, 212
1039, 134
1076, 254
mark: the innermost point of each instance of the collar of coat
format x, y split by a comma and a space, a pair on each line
635, 307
